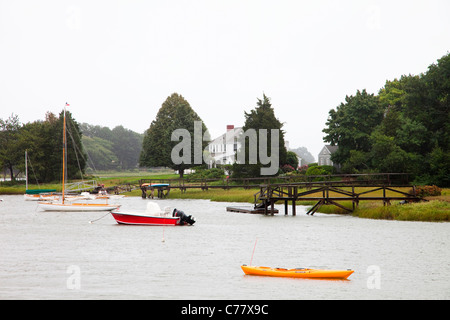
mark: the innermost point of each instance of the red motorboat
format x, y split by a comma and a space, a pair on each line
153, 216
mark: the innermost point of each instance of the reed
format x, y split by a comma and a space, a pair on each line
21, 189
434, 210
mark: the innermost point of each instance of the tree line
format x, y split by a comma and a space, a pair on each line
116, 149
88, 147
405, 128
176, 113
43, 141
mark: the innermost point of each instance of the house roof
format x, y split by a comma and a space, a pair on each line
328, 149
331, 148
228, 136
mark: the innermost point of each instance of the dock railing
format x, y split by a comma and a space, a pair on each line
327, 194
308, 181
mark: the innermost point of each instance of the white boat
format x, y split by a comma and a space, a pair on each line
41, 197
101, 195
72, 206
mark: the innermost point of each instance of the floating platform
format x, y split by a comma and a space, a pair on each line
249, 209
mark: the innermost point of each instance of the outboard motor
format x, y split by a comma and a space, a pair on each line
184, 219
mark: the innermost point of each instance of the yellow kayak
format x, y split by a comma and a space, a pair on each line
296, 273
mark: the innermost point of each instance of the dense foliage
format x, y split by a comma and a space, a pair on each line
116, 149
405, 128
43, 141
175, 113
262, 117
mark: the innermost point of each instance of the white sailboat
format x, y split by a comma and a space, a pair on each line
72, 206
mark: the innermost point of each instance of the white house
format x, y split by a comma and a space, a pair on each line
324, 157
223, 149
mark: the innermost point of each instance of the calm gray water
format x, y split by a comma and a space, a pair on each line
52, 255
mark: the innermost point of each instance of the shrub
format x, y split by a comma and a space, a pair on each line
320, 170
328, 169
315, 171
287, 168
213, 173
303, 169
427, 191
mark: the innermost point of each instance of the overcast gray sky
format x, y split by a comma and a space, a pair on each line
116, 61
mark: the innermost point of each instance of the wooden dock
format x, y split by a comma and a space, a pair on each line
249, 209
331, 190
328, 195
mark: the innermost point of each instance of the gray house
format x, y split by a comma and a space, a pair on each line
325, 156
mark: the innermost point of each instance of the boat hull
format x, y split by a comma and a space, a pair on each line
40, 197
76, 207
136, 219
297, 273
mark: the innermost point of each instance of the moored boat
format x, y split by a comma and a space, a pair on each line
66, 205
75, 207
153, 216
297, 273
40, 196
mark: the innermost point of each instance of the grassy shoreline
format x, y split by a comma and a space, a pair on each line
436, 209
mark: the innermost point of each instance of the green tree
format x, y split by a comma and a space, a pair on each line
392, 94
175, 113
412, 134
386, 155
101, 153
44, 142
262, 117
35, 138
350, 125
292, 159
437, 84
359, 161
108, 149
439, 163
9, 137
127, 146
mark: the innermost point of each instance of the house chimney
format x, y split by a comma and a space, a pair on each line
230, 127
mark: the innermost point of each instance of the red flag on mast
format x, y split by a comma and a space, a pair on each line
67, 105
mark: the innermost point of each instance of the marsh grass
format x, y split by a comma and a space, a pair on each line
21, 189
434, 210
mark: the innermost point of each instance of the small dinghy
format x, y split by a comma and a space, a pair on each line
297, 273
153, 216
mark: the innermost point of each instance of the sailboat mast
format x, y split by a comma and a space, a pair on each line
26, 170
64, 155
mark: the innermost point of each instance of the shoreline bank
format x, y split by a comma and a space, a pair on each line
433, 209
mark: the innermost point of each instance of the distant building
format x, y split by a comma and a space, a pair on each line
223, 149
324, 158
